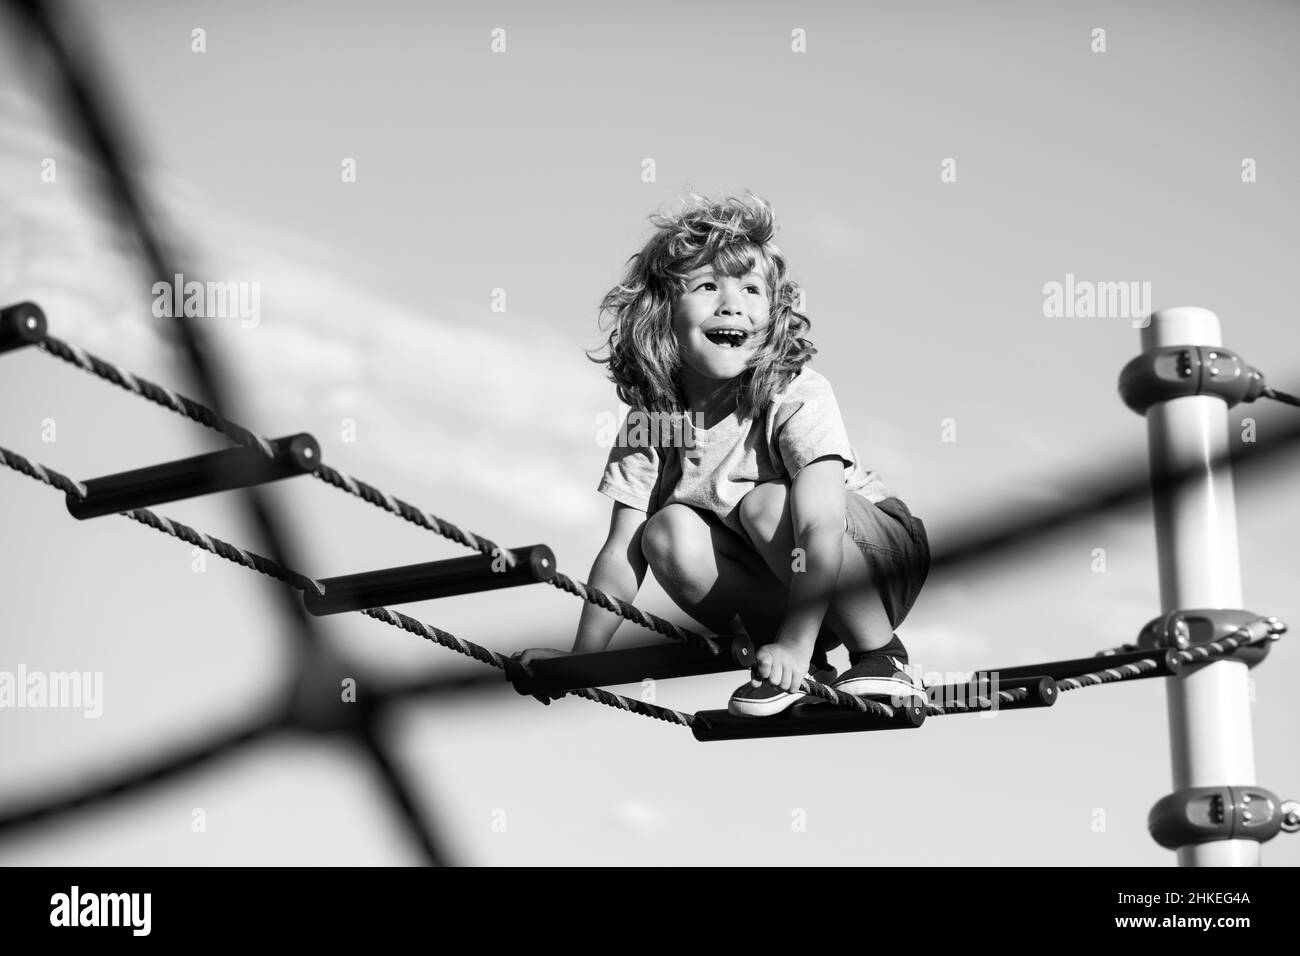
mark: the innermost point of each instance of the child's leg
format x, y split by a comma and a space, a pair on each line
714, 575
886, 561
857, 614
711, 574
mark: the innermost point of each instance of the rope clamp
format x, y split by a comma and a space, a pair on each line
1186, 629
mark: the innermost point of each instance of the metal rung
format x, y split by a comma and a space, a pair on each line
192, 477
801, 719
20, 325
434, 579
634, 665
1167, 660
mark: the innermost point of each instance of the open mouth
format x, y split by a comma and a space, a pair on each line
728, 338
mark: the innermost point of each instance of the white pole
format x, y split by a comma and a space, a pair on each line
1210, 737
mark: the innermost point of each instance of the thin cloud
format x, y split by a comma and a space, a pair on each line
441, 391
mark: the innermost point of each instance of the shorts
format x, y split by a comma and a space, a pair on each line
897, 550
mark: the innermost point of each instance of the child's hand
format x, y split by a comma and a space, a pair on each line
779, 665
526, 657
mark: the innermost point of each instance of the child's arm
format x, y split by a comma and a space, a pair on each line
618, 570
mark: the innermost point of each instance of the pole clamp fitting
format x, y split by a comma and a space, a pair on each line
1177, 371
1208, 814
1185, 629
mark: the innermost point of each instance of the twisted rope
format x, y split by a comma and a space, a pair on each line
1223, 646
198, 412
1277, 396
977, 702
635, 706
841, 699
1108, 675
301, 582
222, 549
610, 603
404, 509
154, 393
47, 475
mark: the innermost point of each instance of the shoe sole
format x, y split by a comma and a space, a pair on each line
745, 707
890, 687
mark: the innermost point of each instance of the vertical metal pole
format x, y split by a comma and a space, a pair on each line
1210, 736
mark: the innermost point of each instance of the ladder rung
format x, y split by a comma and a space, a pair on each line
433, 579
192, 477
20, 325
635, 664
1167, 658
802, 719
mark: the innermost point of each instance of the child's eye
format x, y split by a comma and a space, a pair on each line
713, 285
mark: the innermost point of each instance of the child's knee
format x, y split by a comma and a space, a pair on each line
762, 508
667, 535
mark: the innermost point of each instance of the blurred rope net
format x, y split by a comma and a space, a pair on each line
315, 677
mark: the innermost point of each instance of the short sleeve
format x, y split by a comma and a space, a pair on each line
809, 425
631, 474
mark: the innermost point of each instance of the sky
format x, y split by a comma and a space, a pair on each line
524, 170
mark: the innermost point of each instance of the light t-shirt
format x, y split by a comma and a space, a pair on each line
802, 423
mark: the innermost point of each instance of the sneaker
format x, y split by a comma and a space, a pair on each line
882, 673
768, 699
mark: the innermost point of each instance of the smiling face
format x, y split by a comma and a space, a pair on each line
719, 321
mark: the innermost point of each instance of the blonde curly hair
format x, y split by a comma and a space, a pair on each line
733, 235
